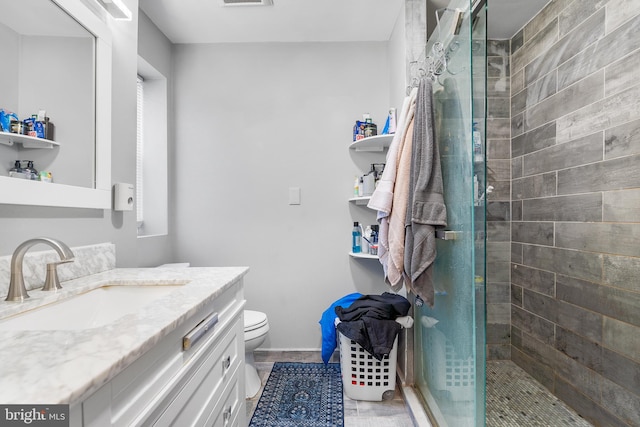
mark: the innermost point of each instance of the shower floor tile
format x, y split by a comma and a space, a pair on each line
515, 399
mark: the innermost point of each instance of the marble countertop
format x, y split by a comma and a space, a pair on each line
66, 366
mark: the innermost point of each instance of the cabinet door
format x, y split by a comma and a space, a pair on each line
197, 400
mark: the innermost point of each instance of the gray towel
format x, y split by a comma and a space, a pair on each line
426, 201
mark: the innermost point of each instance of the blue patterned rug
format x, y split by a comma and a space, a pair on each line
301, 395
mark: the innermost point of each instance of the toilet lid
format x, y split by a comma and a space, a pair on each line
254, 320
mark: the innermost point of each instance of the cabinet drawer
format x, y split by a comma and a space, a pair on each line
206, 383
226, 412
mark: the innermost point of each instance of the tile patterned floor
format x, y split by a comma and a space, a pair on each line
514, 399
390, 413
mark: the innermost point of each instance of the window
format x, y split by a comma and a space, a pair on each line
151, 152
140, 153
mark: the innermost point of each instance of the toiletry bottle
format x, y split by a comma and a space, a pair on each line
370, 128
356, 187
373, 246
356, 238
31, 171
477, 144
357, 132
369, 182
16, 171
366, 239
360, 187
392, 120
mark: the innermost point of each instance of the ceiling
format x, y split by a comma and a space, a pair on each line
507, 17
207, 21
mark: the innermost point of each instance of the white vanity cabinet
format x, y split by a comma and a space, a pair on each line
169, 386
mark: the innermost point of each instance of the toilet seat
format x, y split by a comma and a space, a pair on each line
255, 324
254, 320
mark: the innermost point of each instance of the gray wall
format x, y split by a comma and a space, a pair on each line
89, 226
253, 120
575, 109
9, 75
64, 91
498, 203
156, 49
65, 85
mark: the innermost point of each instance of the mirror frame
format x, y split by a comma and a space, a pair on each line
33, 193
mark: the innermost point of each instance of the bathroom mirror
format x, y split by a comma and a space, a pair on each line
57, 59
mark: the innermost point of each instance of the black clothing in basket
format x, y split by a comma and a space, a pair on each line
370, 321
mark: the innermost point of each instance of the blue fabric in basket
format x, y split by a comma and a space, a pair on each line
328, 328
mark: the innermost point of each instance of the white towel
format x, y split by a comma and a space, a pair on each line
382, 197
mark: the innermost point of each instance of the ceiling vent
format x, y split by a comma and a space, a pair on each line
247, 2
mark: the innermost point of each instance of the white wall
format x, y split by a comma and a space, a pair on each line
253, 120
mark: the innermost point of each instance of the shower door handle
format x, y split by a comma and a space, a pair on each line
448, 234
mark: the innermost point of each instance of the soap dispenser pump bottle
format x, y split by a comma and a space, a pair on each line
356, 238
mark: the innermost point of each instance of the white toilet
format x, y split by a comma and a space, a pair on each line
256, 327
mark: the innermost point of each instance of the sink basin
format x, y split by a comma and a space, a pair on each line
92, 309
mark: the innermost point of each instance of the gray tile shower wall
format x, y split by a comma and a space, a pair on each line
498, 212
575, 207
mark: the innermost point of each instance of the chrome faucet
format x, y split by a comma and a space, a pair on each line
17, 290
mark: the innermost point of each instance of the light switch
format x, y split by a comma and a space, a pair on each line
294, 195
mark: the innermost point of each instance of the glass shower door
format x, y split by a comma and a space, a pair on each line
449, 337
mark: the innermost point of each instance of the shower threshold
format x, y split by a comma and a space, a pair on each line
514, 399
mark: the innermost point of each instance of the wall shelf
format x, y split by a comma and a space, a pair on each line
372, 143
10, 139
363, 255
361, 200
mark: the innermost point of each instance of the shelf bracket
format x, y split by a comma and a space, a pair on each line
377, 149
39, 144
